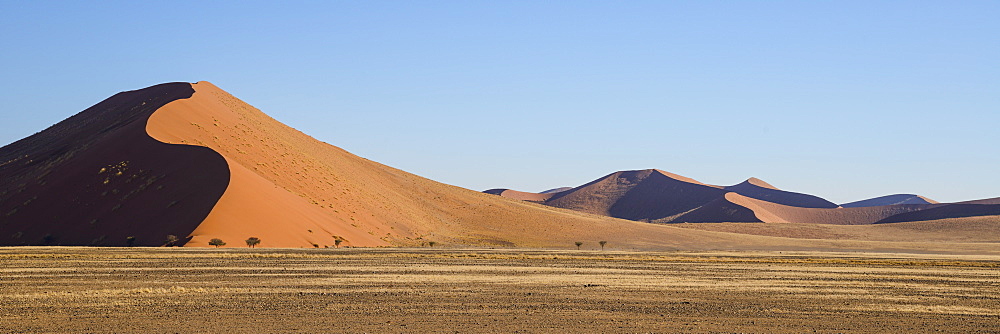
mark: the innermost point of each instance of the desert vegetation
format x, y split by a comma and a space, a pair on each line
216, 242
252, 242
171, 240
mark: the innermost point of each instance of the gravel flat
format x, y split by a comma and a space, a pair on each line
162, 290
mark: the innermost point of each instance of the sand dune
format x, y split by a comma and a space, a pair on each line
891, 200
649, 194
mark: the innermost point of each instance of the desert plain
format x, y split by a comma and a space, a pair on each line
408, 290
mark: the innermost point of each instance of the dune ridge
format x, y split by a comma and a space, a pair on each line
890, 200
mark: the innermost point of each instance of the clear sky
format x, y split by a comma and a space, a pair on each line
842, 99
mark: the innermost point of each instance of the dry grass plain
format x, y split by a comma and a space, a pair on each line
53, 289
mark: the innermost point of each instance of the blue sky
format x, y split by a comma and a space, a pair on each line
842, 99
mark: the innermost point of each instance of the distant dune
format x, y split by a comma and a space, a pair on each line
891, 200
769, 212
657, 196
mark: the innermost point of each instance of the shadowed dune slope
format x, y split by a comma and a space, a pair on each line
946, 211
995, 200
97, 178
890, 200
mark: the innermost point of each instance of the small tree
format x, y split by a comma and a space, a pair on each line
578, 244
171, 240
432, 243
602, 242
336, 242
47, 239
216, 242
252, 242
129, 241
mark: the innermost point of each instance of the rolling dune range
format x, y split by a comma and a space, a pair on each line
194, 161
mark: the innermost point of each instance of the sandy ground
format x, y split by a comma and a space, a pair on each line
531, 291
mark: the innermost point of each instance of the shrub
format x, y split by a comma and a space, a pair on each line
432, 243
252, 242
171, 240
216, 242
